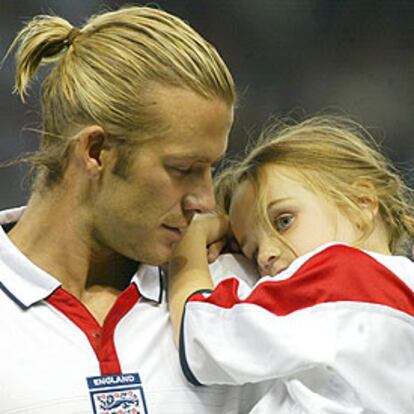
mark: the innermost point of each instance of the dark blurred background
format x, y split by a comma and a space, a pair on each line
287, 56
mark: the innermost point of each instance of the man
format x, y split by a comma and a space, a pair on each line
136, 109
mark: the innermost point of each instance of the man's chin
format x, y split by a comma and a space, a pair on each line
160, 258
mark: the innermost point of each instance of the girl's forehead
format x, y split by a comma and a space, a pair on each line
279, 173
272, 183
275, 180
289, 179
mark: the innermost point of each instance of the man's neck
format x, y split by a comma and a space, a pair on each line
55, 234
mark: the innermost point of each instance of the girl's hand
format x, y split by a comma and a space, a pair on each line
215, 230
212, 228
225, 245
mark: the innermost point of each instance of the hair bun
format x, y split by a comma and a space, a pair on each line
72, 35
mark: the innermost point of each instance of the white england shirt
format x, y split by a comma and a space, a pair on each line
334, 331
55, 358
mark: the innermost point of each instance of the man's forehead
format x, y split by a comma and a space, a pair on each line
196, 148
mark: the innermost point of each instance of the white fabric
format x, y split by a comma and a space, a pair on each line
45, 358
336, 357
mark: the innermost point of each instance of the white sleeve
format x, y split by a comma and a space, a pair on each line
246, 343
234, 265
328, 314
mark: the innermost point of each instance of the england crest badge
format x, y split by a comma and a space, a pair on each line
117, 394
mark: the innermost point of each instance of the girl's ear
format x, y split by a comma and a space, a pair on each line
367, 199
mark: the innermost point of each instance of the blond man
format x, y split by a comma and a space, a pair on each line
135, 110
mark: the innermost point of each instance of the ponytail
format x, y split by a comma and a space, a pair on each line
43, 40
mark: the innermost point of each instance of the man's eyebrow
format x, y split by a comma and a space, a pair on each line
190, 157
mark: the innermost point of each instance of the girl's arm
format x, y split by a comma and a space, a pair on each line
323, 311
189, 271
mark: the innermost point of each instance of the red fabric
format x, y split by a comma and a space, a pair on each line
100, 338
338, 273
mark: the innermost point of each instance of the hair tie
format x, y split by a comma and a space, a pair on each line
72, 35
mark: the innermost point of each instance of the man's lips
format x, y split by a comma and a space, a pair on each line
176, 232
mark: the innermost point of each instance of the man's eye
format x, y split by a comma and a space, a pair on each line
182, 170
283, 221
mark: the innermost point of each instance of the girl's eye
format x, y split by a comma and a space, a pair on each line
283, 221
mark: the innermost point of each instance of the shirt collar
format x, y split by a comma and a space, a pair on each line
150, 281
27, 284
21, 279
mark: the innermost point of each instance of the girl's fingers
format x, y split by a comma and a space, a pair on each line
214, 250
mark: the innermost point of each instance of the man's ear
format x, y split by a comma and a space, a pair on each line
91, 143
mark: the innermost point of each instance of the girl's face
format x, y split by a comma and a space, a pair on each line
303, 218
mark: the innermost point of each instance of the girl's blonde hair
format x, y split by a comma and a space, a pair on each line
103, 73
335, 157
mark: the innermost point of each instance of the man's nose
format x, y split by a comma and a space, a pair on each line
200, 199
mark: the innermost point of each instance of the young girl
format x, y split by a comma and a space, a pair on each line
323, 215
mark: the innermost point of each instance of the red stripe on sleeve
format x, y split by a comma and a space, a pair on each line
338, 273
225, 294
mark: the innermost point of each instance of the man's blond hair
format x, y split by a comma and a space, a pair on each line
103, 73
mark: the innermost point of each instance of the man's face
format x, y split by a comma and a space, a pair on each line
143, 215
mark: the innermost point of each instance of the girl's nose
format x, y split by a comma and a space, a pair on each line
267, 256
